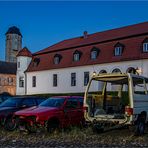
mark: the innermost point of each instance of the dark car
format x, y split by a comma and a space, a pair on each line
55, 112
13, 104
4, 96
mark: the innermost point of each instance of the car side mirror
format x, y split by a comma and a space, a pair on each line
24, 106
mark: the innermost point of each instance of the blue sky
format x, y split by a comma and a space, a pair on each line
45, 23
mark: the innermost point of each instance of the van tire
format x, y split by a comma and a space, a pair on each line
97, 129
140, 129
140, 125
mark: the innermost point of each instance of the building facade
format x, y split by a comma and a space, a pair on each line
8, 77
13, 44
67, 66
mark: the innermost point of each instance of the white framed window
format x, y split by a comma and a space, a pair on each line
94, 54
116, 70
86, 78
18, 64
145, 47
73, 79
56, 60
21, 81
55, 82
76, 57
33, 81
118, 51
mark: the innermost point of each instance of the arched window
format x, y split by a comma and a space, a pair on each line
118, 49
102, 71
145, 45
77, 55
57, 58
131, 70
94, 53
117, 70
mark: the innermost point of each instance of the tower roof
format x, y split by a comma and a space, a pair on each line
14, 30
24, 52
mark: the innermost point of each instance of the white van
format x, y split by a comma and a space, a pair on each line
115, 100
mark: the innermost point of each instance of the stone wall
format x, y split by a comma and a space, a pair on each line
8, 83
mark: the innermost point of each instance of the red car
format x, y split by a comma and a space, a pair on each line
55, 112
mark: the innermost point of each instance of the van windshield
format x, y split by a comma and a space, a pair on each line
139, 86
107, 95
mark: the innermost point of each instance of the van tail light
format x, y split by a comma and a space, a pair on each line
128, 110
85, 108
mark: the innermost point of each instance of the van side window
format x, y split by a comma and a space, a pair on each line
139, 86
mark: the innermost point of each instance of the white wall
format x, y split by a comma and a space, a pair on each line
44, 79
24, 62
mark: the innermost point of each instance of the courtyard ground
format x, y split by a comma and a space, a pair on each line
73, 138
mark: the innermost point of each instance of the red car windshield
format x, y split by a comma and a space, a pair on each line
53, 102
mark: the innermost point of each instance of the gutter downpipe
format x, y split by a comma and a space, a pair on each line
25, 83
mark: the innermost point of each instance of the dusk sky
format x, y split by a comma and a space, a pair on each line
45, 23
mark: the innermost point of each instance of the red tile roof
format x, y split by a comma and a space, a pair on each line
99, 37
24, 52
131, 37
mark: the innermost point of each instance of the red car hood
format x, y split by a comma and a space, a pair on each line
36, 110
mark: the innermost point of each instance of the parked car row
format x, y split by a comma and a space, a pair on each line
29, 112
13, 104
55, 112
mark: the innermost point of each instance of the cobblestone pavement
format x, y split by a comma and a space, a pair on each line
73, 138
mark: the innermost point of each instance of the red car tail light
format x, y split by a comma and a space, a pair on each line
85, 108
128, 110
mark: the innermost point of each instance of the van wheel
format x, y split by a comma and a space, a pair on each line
140, 129
10, 124
140, 126
97, 129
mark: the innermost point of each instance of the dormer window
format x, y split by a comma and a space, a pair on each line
94, 53
77, 56
57, 59
36, 62
118, 49
145, 45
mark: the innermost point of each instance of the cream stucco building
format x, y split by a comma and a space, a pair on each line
66, 66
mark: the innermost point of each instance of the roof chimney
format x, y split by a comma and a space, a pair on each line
85, 34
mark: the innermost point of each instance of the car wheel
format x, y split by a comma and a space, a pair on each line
10, 124
52, 126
